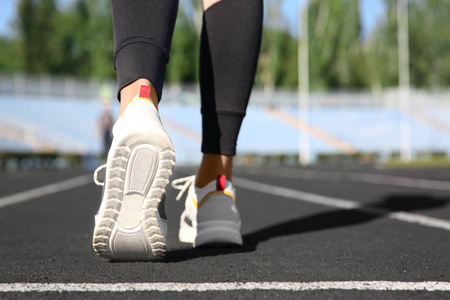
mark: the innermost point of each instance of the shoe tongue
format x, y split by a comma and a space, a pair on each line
220, 182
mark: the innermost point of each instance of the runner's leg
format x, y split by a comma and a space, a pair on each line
230, 44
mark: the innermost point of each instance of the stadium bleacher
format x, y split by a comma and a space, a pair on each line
9, 145
70, 126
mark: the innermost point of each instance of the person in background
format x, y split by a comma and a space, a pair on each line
131, 223
105, 125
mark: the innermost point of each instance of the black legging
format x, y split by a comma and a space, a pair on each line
230, 43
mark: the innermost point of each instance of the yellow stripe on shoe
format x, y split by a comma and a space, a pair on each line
198, 204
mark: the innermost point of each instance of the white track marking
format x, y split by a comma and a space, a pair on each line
45, 190
417, 183
338, 203
226, 286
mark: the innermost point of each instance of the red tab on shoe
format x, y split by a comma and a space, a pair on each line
221, 180
144, 92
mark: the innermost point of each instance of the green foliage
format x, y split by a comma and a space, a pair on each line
278, 59
184, 57
9, 55
37, 28
334, 44
277, 65
429, 43
78, 40
382, 50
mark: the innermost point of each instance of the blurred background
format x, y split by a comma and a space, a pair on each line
338, 81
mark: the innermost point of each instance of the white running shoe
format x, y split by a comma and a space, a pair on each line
130, 224
210, 216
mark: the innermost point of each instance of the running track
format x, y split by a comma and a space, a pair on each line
352, 232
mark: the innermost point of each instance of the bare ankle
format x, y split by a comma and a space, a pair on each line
212, 166
128, 93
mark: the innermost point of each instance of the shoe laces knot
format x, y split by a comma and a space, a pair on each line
97, 182
182, 184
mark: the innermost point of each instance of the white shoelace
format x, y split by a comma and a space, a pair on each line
182, 184
97, 182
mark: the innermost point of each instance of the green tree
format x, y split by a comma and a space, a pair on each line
99, 42
277, 65
10, 59
36, 25
184, 54
381, 48
429, 43
77, 41
84, 40
335, 54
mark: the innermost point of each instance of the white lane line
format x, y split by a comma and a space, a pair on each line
226, 286
338, 203
45, 190
417, 183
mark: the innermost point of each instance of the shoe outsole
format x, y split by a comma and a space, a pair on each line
130, 228
212, 234
218, 233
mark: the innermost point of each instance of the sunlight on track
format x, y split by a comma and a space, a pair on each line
339, 203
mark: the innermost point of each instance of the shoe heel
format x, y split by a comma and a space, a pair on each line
128, 226
218, 233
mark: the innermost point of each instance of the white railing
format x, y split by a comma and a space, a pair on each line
90, 89
428, 107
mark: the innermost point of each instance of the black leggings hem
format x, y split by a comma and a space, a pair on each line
220, 132
136, 40
140, 60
